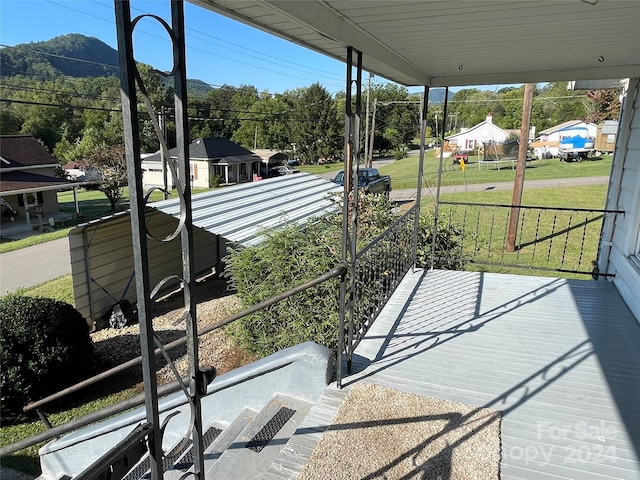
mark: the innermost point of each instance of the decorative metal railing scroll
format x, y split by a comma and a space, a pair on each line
130, 79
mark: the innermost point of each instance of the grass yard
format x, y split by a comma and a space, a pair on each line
547, 239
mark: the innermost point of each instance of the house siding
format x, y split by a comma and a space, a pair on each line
625, 195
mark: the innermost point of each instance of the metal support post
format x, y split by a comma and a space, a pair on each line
434, 233
350, 209
136, 196
423, 129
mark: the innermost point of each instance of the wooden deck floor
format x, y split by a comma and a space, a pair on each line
559, 358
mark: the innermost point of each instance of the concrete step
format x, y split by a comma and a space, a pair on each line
229, 433
295, 454
253, 451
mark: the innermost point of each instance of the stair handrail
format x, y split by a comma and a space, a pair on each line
337, 271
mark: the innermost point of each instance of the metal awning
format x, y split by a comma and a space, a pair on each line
459, 42
242, 212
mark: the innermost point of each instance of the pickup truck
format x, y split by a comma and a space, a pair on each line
460, 155
369, 180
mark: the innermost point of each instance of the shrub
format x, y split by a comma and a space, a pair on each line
294, 255
44, 347
448, 248
287, 258
283, 260
400, 153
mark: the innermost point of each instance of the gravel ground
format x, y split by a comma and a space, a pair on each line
214, 303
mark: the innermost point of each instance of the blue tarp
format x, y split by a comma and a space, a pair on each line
575, 142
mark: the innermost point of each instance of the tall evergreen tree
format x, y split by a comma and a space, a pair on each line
316, 130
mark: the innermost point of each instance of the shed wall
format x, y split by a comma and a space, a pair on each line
102, 259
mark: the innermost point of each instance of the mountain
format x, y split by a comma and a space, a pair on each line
70, 55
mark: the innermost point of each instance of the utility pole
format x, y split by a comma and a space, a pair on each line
436, 115
366, 126
373, 133
255, 136
518, 183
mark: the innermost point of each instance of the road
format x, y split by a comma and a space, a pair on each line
34, 265
40, 263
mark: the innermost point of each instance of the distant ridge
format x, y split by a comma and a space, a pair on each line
72, 55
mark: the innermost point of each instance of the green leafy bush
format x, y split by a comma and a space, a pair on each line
283, 260
448, 245
291, 256
44, 347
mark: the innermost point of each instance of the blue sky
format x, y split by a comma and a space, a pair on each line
219, 50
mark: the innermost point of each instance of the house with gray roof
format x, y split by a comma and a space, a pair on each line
212, 161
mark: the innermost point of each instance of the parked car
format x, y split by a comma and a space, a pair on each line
460, 155
370, 180
282, 170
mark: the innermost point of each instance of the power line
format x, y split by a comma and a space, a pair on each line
20, 47
58, 92
59, 105
285, 62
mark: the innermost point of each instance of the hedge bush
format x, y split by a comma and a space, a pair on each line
44, 347
289, 257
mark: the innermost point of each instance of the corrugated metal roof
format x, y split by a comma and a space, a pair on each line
241, 212
610, 127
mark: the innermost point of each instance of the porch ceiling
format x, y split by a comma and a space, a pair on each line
454, 42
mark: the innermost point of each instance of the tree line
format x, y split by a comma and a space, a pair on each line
72, 116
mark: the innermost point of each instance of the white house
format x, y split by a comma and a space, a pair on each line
476, 136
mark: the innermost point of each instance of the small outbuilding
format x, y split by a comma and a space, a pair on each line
605, 141
101, 251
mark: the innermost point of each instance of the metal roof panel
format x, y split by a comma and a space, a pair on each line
241, 212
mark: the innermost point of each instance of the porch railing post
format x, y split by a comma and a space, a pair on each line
434, 233
350, 209
423, 128
124, 28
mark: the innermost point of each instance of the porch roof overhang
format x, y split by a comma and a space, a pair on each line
456, 43
18, 182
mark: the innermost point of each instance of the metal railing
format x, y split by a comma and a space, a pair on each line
138, 400
380, 267
563, 240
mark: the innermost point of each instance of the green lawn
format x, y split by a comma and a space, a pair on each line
547, 239
404, 173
